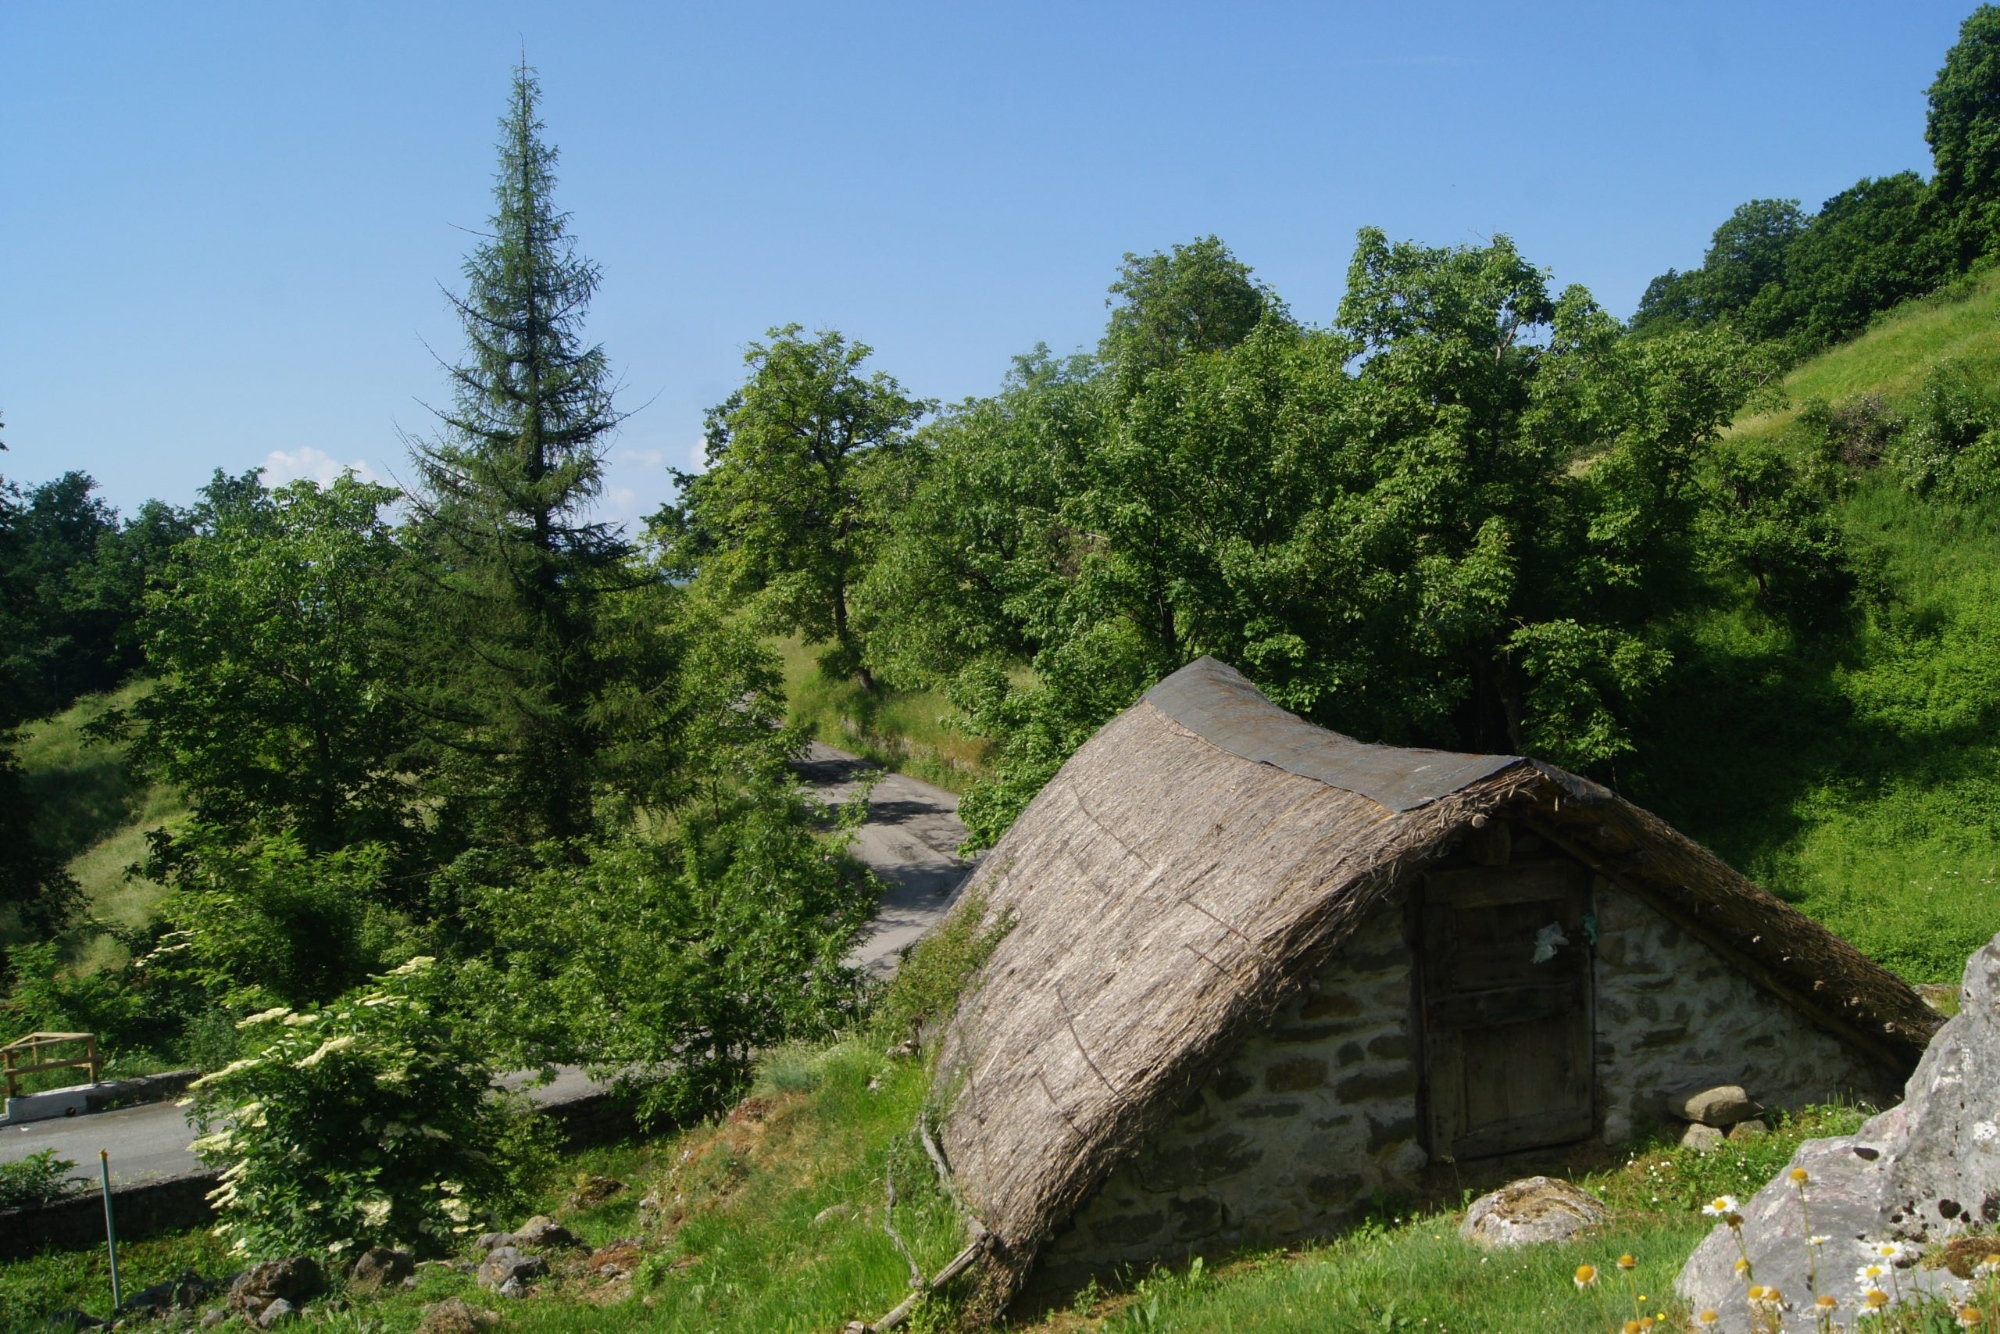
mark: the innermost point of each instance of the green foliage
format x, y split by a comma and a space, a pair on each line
50, 995
1963, 130
271, 923
37, 1180
274, 710
37, 895
1459, 518
785, 513
926, 990
510, 576
667, 965
367, 1121
1949, 444
1168, 306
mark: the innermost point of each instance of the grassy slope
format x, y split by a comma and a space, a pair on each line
904, 730
92, 816
774, 1224
1860, 776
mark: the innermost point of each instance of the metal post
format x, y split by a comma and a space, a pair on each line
110, 1233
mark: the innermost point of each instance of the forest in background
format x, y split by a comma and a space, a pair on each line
461, 780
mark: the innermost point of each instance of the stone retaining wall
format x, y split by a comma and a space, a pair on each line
1302, 1126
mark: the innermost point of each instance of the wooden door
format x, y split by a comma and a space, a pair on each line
1507, 1007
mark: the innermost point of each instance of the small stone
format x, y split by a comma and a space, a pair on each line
593, 1190
1702, 1139
454, 1316
831, 1212
486, 1241
1718, 1105
1753, 1129
543, 1233
1530, 1212
379, 1267
213, 1316
279, 1309
506, 1265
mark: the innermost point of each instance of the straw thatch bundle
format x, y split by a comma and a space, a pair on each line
1200, 859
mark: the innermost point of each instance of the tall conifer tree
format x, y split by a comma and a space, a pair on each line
517, 570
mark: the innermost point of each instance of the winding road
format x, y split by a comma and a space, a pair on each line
909, 840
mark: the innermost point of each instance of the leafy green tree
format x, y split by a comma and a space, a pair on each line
275, 708
1963, 130
513, 572
1166, 306
1774, 526
784, 513
1746, 255
669, 964
1455, 518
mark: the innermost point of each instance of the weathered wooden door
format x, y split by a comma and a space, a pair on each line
1507, 1007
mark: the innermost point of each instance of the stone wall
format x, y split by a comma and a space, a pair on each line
1305, 1123
1671, 1013
1314, 1116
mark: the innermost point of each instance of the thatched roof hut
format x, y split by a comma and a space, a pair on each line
1205, 867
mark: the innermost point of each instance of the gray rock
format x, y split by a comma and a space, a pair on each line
213, 1316
278, 1309
291, 1280
1702, 1139
1529, 1212
543, 1233
1747, 1130
1719, 1105
1921, 1173
486, 1241
379, 1267
506, 1265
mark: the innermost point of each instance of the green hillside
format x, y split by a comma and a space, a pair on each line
1859, 776
94, 818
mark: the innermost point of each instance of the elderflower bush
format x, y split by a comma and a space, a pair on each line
366, 1121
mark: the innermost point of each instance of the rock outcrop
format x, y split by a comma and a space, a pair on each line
1919, 1174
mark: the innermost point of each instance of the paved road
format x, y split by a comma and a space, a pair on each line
908, 840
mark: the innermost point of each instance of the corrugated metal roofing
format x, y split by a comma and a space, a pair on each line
1217, 703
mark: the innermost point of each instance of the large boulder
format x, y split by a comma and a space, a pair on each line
1529, 1212
1917, 1175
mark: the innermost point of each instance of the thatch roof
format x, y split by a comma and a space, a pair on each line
1201, 858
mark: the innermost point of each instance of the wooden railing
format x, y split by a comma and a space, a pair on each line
31, 1046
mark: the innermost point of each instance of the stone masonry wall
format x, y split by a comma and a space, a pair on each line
1306, 1121
1671, 1013
1310, 1118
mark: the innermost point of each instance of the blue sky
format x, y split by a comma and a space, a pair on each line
223, 227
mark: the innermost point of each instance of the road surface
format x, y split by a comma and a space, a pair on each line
908, 841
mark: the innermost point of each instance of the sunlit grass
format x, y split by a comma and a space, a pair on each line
94, 817
1961, 323
911, 731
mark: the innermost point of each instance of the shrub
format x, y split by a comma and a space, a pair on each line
39, 1179
668, 964
365, 1122
271, 923
1951, 445
926, 989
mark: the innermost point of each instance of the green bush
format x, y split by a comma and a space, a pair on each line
668, 964
39, 1179
368, 1121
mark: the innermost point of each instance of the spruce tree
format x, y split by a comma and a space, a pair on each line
515, 571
